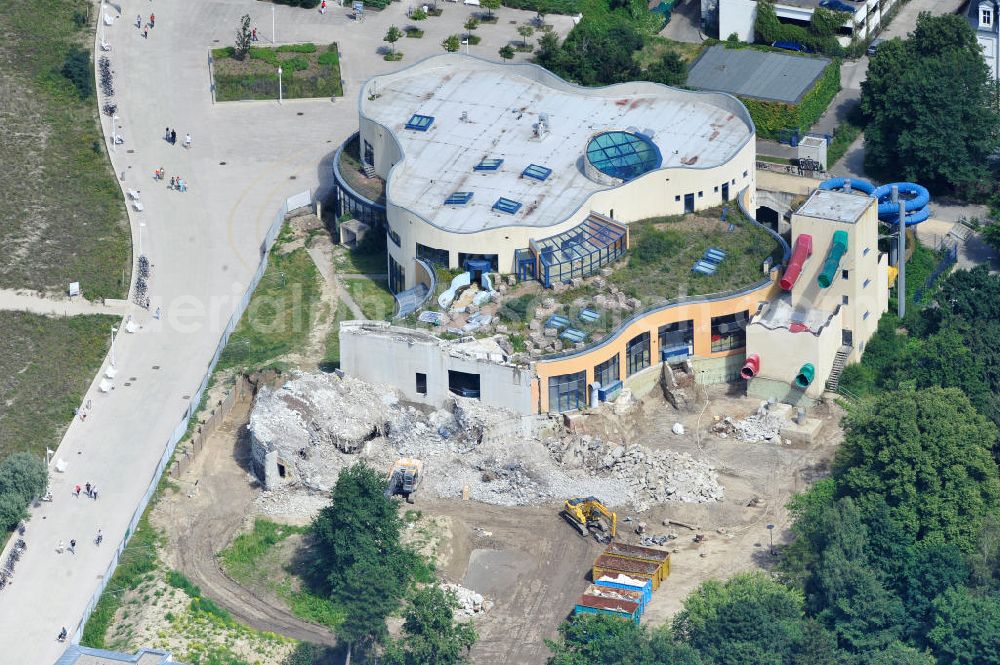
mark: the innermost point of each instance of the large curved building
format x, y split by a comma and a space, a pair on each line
489, 161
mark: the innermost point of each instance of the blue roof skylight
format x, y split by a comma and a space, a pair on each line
420, 123
537, 172
623, 155
488, 165
458, 199
508, 206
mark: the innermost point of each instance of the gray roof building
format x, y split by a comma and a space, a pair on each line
80, 655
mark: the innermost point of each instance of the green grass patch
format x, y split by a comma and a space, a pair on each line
137, 562
568, 7
280, 314
311, 607
46, 366
331, 356
844, 135
372, 297
657, 47
347, 261
307, 71
63, 218
240, 559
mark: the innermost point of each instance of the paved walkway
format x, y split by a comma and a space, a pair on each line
37, 303
325, 267
247, 158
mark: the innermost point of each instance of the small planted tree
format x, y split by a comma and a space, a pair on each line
471, 24
506, 52
525, 31
392, 36
452, 43
490, 5
244, 37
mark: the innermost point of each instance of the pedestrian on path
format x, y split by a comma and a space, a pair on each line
87, 486
138, 21
187, 141
145, 33
157, 315
253, 34
72, 546
173, 137
322, 7
152, 20
60, 547
93, 493
166, 136
99, 539
76, 491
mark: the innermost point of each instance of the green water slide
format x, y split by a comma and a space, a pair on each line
806, 374
837, 250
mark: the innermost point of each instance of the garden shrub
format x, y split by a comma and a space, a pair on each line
328, 58
296, 64
268, 55
568, 7
76, 68
307, 47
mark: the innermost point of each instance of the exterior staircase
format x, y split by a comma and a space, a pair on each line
838, 366
368, 169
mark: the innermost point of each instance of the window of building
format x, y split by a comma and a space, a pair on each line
865, 317
397, 276
508, 206
867, 282
607, 372
677, 198
677, 334
637, 353
420, 123
843, 274
701, 194
488, 165
866, 250
537, 172
438, 257
985, 17
716, 188
844, 300
393, 236
734, 179
464, 384
369, 153
744, 175
729, 332
421, 383
568, 392
458, 199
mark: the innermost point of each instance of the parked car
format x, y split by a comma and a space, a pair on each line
792, 46
873, 46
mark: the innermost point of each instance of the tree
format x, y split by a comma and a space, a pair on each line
506, 52
12, 511
431, 636
991, 234
471, 24
525, 31
595, 638
668, 70
452, 43
25, 476
244, 37
931, 114
392, 36
926, 454
358, 556
897, 653
930, 572
965, 629
490, 5
748, 618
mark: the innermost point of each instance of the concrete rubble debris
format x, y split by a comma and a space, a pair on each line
313, 425
470, 603
764, 425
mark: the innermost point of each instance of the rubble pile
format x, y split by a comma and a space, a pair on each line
654, 476
303, 434
470, 603
764, 425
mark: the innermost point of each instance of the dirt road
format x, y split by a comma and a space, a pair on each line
206, 515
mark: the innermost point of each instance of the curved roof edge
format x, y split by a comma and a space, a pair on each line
546, 77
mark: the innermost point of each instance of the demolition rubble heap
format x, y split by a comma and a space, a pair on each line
764, 425
313, 425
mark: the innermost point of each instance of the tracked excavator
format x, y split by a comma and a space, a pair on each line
589, 515
404, 477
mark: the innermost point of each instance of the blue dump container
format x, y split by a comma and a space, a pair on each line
622, 609
627, 583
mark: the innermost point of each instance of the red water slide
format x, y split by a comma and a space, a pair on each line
802, 251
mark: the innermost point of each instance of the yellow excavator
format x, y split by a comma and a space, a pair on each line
588, 514
404, 477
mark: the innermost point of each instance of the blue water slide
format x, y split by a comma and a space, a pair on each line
913, 197
840, 184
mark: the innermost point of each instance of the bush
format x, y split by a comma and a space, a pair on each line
568, 7
296, 64
77, 69
12, 511
418, 15
771, 117
268, 55
329, 58
656, 245
23, 475
177, 579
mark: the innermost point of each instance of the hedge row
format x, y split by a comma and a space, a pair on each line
769, 117
307, 4
568, 7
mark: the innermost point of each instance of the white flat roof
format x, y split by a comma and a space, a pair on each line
846, 207
503, 103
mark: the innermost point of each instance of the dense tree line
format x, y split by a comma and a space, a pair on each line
23, 478
931, 108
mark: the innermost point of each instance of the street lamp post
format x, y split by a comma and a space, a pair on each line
272, 24
770, 532
279, 84
466, 42
142, 225
113, 331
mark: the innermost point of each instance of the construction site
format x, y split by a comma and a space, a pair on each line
697, 485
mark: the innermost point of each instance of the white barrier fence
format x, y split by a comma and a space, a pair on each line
295, 202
